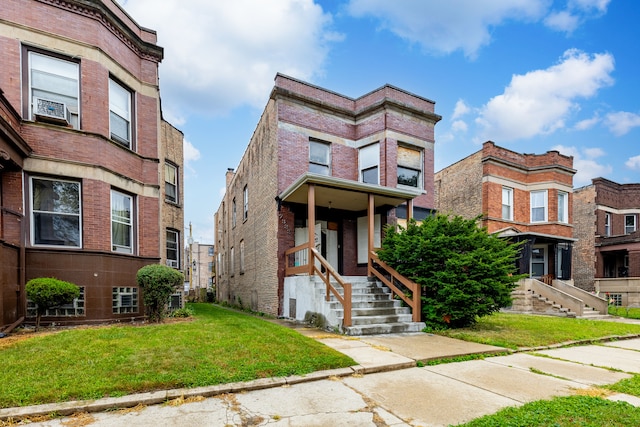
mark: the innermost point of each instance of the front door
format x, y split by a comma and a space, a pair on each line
539, 258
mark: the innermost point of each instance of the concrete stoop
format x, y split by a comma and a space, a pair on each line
373, 311
530, 302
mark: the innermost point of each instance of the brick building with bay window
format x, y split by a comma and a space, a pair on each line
90, 173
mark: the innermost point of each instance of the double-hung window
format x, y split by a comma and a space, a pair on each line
539, 206
173, 240
56, 216
507, 203
241, 256
319, 157
121, 222
233, 213
629, 224
563, 207
245, 198
120, 113
171, 183
369, 161
54, 89
409, 166
607, 224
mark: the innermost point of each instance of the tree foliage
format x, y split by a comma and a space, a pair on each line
158, 282
47, 293
463, 271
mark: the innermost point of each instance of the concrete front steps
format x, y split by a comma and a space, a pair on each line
528, 301
373, 310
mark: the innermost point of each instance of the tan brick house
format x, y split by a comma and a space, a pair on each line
90, 183
325, 172
527, 197
607, 253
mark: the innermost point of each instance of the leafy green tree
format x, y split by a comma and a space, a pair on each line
158, 282
463, 271
47, 292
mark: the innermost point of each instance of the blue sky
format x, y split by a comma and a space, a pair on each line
530, 75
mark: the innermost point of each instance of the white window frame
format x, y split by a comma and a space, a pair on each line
234, 216
171, 182
52, 212
232, 261
536, 197
120, 103
507, 203
369, 160
242, 256
126, 222
607, 224
173, 246
628, 229
563, 207
64, 71
320, 157
411, 166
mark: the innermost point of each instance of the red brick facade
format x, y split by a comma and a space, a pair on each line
278, 159
474, 187
609, 223
105, 44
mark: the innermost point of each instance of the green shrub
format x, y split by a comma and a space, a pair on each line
158, 282
47, 292
463, 271
182, 312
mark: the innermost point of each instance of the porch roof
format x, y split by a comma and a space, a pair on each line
512, 231
344, 194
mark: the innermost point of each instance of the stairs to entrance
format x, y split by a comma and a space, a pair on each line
373, 310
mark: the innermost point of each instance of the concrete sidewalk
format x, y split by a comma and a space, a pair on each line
387, 382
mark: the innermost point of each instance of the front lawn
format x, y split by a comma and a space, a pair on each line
521, 330
218, 346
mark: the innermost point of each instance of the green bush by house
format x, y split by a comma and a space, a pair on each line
463, 271
47, 292
158, 282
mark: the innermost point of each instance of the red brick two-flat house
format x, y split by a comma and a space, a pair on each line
607, 253
320, 178
525, 197
90, 174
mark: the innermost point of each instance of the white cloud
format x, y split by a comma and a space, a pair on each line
562, 21
191, 153
540, 101
589, 5
218, 56
459, 126
448, 26
621, 122
460, 109
587, 123
585, 162
633, 163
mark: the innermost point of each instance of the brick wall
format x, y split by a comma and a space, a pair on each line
458, 188
584, 221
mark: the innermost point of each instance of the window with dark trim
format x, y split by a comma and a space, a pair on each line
319, 157
56, 216
171, 183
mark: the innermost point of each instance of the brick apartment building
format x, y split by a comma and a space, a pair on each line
325, 168
527, 197
607, 253
90, 174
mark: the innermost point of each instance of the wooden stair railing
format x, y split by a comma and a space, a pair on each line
413, 301
306, 256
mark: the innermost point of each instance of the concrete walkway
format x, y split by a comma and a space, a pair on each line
389, 386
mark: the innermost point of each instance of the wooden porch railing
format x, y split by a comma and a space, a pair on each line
389, 276
302, 260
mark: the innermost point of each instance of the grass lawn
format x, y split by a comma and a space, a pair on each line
521, 330
583, 411
218, 346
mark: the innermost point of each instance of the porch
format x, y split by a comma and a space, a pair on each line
314, 286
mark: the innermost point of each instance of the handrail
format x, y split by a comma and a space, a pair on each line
329, 272
414, 301
326, 278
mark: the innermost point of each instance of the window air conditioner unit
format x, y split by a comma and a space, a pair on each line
51, 111
172, 263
